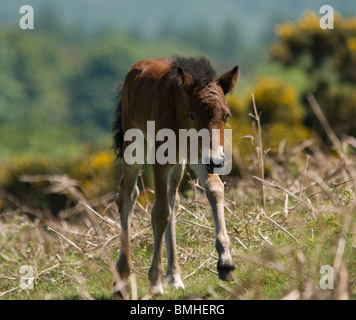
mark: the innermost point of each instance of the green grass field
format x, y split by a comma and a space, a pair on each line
308, 222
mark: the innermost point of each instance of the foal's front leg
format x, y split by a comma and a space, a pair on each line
215, 192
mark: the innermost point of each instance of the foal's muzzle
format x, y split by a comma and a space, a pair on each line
215, 162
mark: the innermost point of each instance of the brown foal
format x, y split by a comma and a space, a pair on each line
177, 93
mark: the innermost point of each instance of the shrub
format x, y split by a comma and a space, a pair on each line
282, 116
278, 101
94, 173
328, 57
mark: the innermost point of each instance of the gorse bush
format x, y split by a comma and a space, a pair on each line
282, 116
94, 172
278, 101
328, 57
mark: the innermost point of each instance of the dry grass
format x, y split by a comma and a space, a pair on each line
305, 219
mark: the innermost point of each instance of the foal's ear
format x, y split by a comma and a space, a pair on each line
228, 80
185, 80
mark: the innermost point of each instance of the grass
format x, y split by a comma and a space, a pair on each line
277, 250
305, 219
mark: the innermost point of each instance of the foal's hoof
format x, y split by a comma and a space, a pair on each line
121, 289
226, 272
156, 290
174, 281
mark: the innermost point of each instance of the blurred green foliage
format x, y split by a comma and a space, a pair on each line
328, 58
57, 89
34, 100
57, 85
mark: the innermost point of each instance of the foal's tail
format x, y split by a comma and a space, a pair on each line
116, 126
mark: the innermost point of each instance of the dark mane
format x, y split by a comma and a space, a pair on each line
199, 68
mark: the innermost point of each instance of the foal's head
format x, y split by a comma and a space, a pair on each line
208, 109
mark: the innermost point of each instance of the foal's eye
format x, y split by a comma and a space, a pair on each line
227, 116
191, 116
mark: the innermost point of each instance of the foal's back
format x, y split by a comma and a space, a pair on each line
150, 93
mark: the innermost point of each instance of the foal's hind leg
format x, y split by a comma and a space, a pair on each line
126, 202
160, 218
173, 275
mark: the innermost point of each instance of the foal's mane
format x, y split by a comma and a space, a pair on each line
199, 68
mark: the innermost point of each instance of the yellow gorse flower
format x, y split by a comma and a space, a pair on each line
285, 30
102, 160
349, 24
351, 43
309, 21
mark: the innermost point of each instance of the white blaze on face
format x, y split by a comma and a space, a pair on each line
220, 155
217, 150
